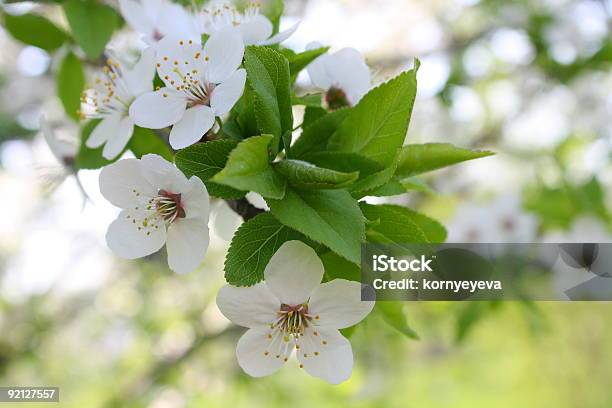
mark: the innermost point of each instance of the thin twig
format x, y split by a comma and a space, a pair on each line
243, 208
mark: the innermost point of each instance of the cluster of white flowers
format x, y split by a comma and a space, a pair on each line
198, 56
201, 83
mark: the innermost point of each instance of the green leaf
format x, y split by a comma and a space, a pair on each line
273, 10
248, 168
306, 175
268, 76
286, 139
92, 24
70, 84
10, 129
399, 225
314, 137
35, 30
377, 126
312, 114
591, 198
349, 331
554, 206
331, 217
396, 187
242, 122
345, 162
336, 267
560, 206
145, 141
389, 189
287, 52
420, 158
252, 247
231, 129
469, 315
308, 100
297, 62
393, 314
372, 175
90, 158
416, 184
205, 160
371, 182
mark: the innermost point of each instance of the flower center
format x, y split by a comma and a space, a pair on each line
292, 320
157, 35
508, 224
220, 17
186, 75
288, 331
109, 95
336, 98
199, 94
168, 206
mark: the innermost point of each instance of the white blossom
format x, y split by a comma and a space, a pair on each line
154, 19
110, 99
201, 84
583, 229
159, 206
502, 220
64, 150
343, 75
292, 310
255, 28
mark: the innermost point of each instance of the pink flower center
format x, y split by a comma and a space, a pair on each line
293, 319
288, 331
168, 205
336, 98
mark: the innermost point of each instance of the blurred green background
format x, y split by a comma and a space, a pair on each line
528, 79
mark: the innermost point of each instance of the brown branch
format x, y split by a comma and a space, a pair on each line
244, 209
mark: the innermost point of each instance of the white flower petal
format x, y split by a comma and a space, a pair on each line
119, 140
254, 306
348, 70
134, 13
60, 148
338, 304
225, 221
294, 272
128, 239
152, 8
252, 348
162, 174
256, 30
313, 45
187, 244
139, 79
176, 57
193, 125
123, 184
327, 355
257, 200
176, 21
225, 96
195, 200
225, 50
317, 72
159, 109
282, 36
103, 131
